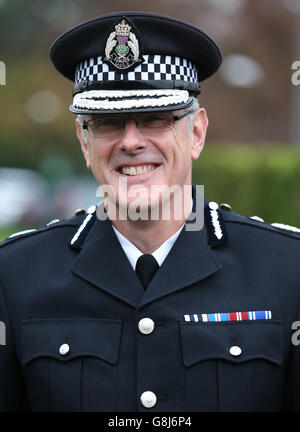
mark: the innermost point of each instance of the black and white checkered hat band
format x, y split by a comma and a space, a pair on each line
155, 67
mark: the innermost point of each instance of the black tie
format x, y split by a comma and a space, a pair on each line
145, 268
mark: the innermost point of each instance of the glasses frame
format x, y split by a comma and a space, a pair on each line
85, 124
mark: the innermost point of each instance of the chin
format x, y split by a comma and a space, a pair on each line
136, 208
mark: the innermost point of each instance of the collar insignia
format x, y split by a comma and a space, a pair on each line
215, 225
122, 47
84, 229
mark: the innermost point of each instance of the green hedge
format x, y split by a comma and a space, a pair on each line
261, 180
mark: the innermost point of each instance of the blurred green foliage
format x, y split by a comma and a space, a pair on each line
262, 181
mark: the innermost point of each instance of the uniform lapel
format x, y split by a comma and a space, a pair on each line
103, 263
189, 261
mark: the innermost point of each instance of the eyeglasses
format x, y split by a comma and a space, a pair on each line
113, 126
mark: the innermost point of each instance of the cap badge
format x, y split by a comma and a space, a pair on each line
122, 46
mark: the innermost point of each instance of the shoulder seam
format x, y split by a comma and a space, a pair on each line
266, 228
40, 230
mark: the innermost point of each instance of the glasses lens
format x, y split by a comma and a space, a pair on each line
105, 127
108, 127
155, 122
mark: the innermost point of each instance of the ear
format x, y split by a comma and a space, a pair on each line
82, 137
199, 132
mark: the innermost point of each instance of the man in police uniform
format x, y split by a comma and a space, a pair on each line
119, 314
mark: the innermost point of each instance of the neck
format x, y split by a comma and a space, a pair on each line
148, 235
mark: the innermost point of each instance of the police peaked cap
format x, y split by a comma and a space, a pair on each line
134, 62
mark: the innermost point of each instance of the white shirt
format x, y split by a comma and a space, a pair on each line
160, 254
133, 253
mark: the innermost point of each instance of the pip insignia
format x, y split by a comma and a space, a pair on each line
122, 48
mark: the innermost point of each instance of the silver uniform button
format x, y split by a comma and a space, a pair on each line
79, 212
146, 325
225, 206
235, 351
148, 399
64, 349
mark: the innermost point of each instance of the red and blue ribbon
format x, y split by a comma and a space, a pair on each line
229, 316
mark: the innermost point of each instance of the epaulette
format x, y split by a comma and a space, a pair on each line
54, 223
258, 222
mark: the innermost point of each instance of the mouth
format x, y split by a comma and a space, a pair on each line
137, 170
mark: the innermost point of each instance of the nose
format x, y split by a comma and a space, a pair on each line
132, 139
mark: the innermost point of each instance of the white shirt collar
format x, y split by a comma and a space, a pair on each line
160, 254
133, 253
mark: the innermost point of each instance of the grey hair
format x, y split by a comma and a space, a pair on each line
80, 118
194, 107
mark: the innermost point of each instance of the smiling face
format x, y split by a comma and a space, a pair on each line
133, 162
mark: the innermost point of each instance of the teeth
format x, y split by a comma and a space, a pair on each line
141, 169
